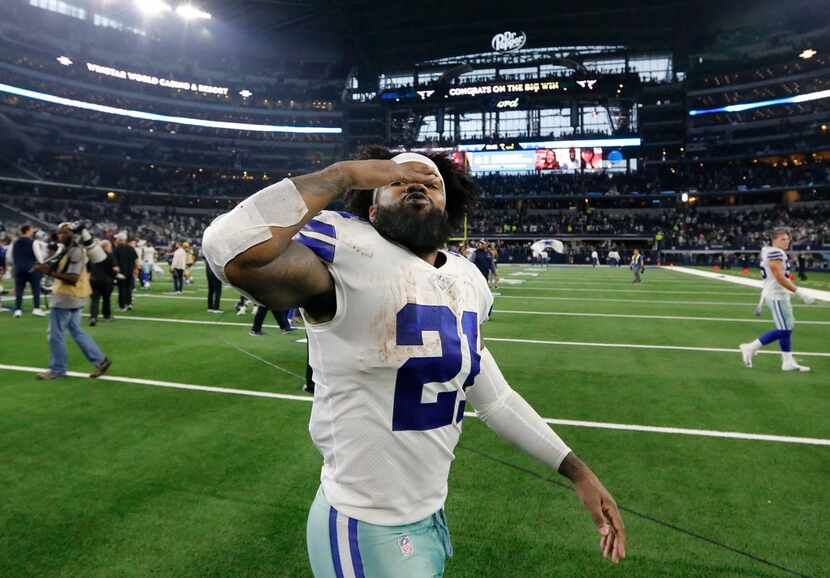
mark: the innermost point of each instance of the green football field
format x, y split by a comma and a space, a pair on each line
138, 475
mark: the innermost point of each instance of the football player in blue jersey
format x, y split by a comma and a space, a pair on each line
393, 324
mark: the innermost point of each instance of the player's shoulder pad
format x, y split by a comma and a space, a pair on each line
321, 233
774, 253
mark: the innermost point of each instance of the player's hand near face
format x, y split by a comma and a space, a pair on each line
371, 174
600, 504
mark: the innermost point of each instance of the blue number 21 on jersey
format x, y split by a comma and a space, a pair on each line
409, 413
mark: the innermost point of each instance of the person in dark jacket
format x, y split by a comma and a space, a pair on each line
483, 260
102, 280
23, 255
126, 259
214, 291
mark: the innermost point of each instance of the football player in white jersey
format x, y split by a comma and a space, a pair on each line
776, 294
393, 333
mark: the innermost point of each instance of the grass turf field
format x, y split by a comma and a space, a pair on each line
114, 478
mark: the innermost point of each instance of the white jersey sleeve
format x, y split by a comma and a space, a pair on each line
390, 369
772, 288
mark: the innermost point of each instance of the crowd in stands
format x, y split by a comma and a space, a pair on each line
232, 175
688, 228
693, 176
161, 228
685, 228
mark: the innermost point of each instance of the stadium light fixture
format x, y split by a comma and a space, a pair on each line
807, 53
64, 60
153, 7
190, 12
245, 93
808, 97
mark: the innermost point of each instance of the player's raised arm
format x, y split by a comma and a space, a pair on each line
251, 246
510, 416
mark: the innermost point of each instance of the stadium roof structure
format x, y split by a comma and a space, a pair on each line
388, 34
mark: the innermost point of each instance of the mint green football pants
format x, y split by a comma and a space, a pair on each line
342, 547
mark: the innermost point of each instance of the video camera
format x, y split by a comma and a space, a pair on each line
81, 238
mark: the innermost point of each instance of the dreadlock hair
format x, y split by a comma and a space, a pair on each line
461, 190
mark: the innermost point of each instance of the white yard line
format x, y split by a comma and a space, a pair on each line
647, 346
659, 291
554, 421
756, 283
192, 321
648, 301
512, 340
668, 317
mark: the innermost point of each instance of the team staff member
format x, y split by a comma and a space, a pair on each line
638, 263
126, 259
70, 291
177, 266
4, 242
214, 292
102, 280
24, 259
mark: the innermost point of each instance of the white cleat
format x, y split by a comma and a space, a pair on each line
18, 313
38, 312
794, 367
746, 353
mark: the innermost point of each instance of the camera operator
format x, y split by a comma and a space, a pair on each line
70, 291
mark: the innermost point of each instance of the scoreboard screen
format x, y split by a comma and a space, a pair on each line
557, 160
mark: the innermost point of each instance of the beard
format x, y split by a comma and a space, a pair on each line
419, 230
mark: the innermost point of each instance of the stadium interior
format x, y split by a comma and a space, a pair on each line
686, 131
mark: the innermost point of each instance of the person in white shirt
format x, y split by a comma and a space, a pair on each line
614, 259
776, 294
177, 266
594, 259
393, 327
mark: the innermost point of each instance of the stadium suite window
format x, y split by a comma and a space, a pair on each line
513, 123
396, 81
555, 122
60, 8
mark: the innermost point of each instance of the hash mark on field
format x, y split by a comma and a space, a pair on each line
555, 421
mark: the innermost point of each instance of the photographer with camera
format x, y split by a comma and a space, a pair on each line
70, 291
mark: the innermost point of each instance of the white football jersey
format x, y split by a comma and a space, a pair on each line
390, 370
773, 288
148, 255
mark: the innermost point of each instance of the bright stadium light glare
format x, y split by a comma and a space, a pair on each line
153, 7
165, 118
807, 53
245, 93
64, 60
190, 12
